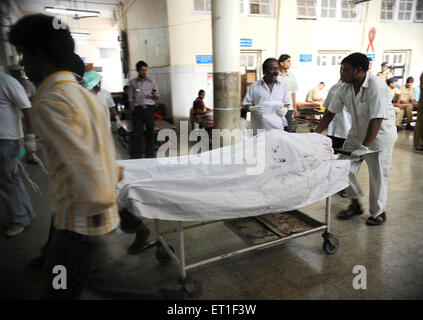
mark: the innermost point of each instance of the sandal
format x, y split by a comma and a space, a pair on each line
377, 221
350, 212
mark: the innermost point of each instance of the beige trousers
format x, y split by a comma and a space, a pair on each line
408, 110
399, 114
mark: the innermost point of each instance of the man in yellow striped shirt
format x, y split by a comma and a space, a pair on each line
80, 156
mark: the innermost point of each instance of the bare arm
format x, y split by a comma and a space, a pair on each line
29, 121
114, 111
397, 100
324, 123
294, 103
372, 131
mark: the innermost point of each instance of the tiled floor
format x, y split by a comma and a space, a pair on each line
298, 269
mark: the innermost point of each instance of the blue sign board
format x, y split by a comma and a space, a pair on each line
246, 43
203, 59
305, 57
371, 56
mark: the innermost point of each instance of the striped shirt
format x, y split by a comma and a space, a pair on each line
79, 153
140, 91
291, 84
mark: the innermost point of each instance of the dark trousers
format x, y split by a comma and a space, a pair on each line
88, 265
128, 224
337, 143
288, 117
142, 116
18, 206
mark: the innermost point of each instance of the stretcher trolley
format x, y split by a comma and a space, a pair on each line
294, 162
166, 253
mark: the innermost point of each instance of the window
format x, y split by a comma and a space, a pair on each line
349, 10
405, 10
306, 9
398, 62
402, 11
419, 11
387, 12
202, 6
328, 9
108, 53
330, 58
262, 8
242, 6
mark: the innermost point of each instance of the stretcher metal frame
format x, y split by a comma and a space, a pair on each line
330, 244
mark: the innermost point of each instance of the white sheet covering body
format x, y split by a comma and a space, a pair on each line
299, 169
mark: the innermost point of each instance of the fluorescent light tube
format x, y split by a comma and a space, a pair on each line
71, 12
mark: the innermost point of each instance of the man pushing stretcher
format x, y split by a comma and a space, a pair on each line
372, 135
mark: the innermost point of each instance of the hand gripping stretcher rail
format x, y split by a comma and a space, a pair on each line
295, 171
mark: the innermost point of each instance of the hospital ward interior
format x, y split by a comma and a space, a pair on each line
211, 150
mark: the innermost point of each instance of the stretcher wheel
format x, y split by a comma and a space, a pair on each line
121, 132
192, 288
161, 254
330, 245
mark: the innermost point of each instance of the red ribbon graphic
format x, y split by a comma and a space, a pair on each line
372, 35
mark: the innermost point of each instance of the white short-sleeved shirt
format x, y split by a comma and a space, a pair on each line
371, 102
106, 99
341, 123
259, 94
13, 98
291, 84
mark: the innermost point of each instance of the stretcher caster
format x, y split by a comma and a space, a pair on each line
330, 244
121, 132
161, 254
192, 288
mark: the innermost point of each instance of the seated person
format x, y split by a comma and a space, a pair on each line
395, 98
202, 114
408, 101
313, 95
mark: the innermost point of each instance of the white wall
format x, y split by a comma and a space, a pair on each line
9, 14
190, 34
103, 33
148, 40
309, 36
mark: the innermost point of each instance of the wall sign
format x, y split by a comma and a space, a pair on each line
371, 56
204, 59
246, 43
306, 57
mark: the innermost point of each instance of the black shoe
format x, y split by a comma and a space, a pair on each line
350, 212
380, 219
399, 128
409, 127
140, 241
343, 194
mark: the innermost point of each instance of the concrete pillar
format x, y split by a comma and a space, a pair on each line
226, 63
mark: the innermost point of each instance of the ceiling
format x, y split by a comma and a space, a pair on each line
105, 7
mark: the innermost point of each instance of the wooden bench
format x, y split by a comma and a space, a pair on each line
124, 133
